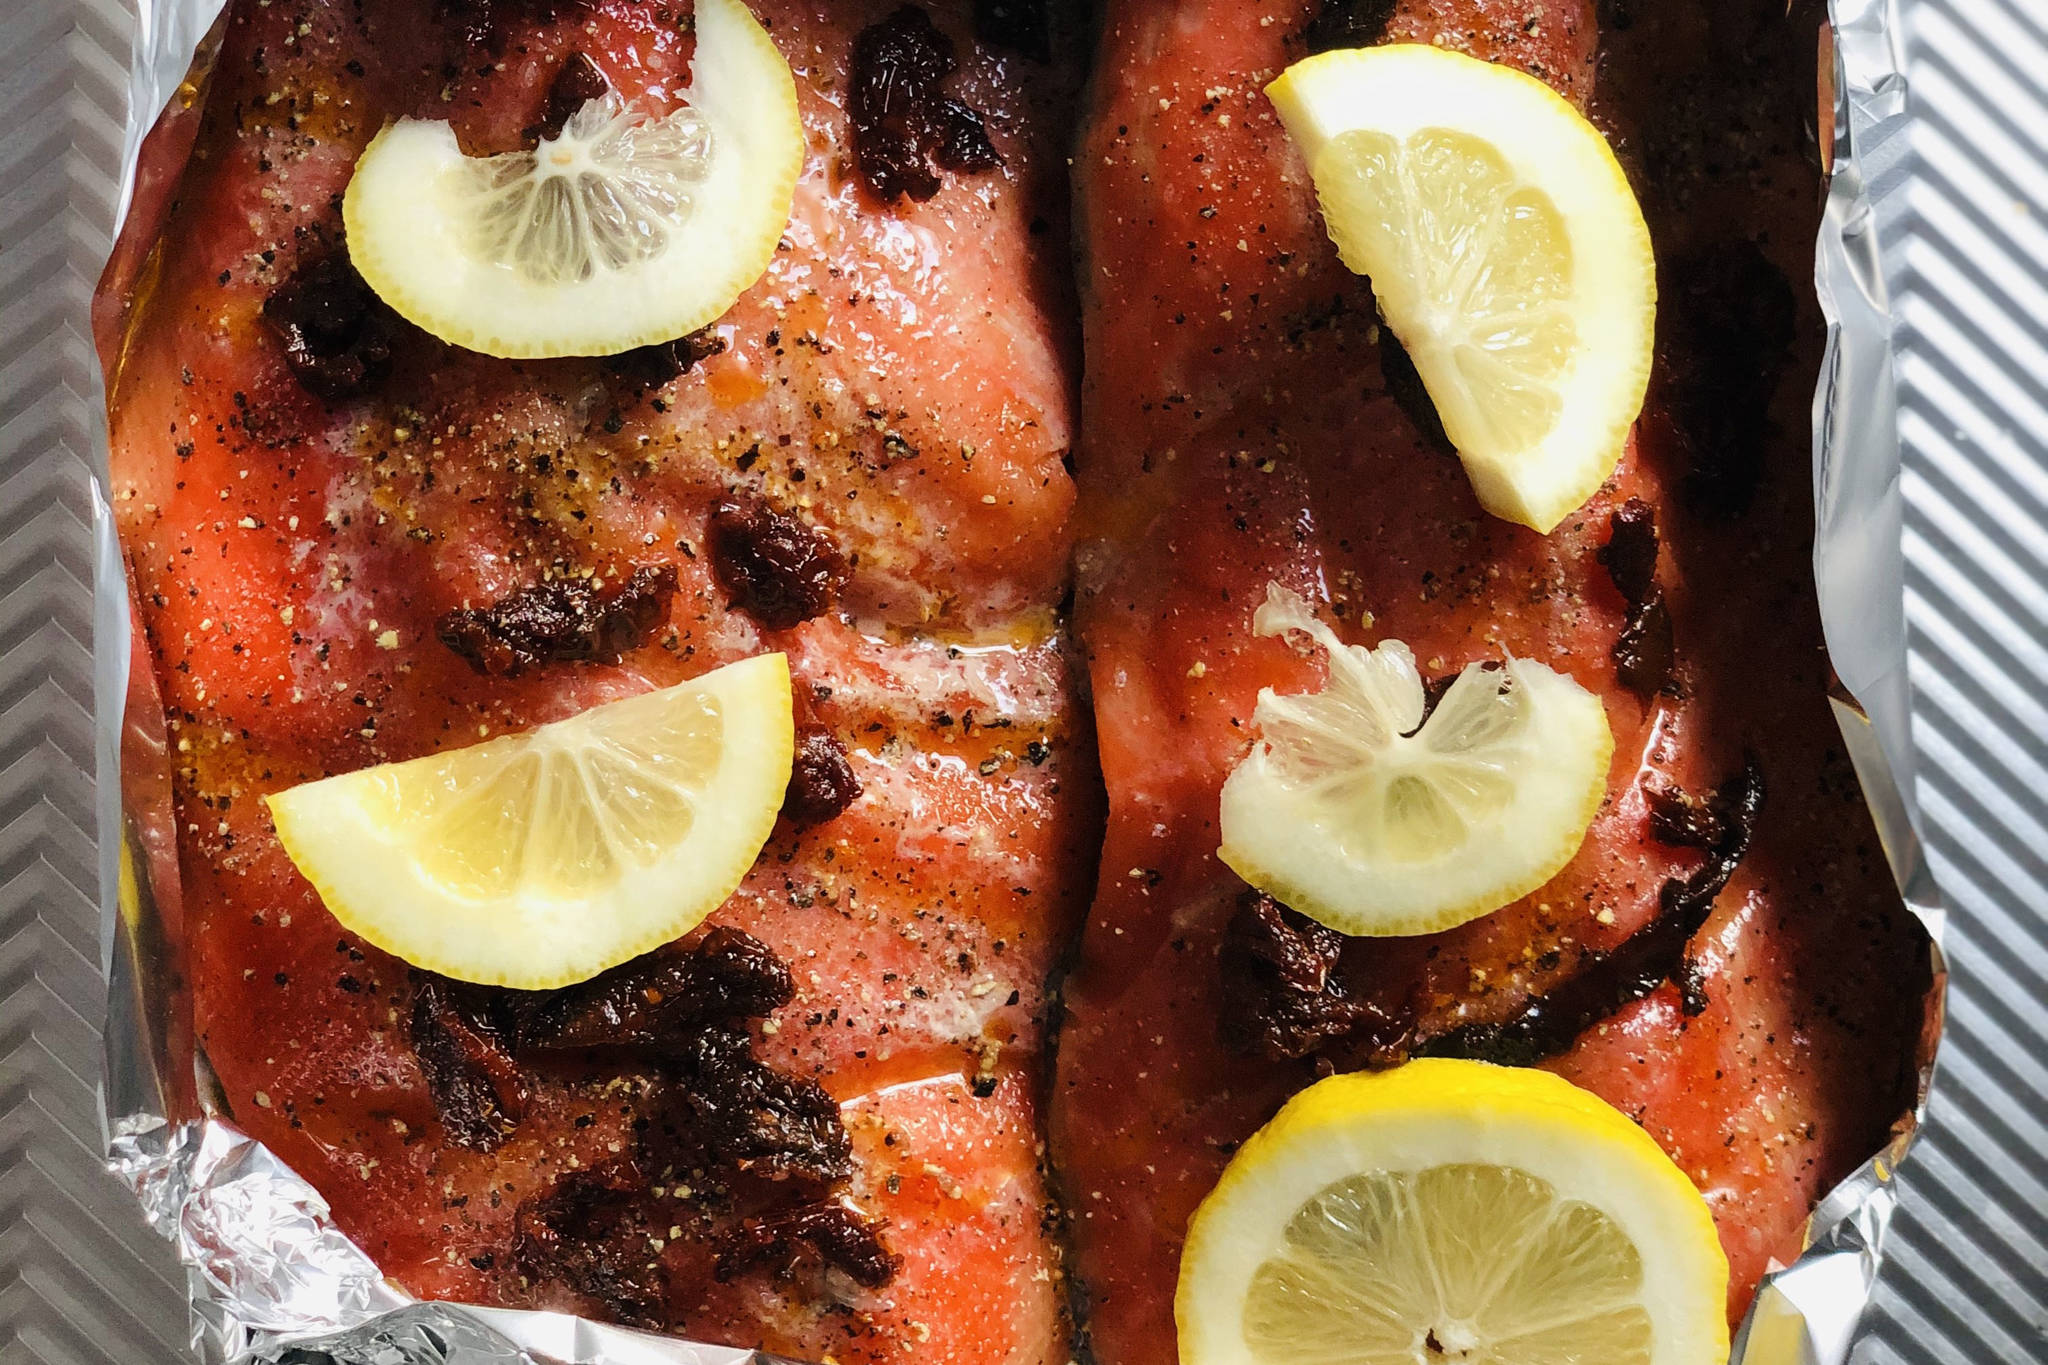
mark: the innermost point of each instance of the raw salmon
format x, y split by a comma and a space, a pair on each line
1245, 422
352, 544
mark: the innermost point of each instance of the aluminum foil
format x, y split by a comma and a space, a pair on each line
269, 1275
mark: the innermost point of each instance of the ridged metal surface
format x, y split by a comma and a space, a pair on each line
1966, 242
82, 1281
1965, 212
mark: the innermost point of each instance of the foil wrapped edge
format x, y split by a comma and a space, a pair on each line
269, 1275
1807, 1313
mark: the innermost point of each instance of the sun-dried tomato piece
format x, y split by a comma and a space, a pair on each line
591, 1233
832, 1233
575, 85
821, 780
657, 999
562, 620
475, 1084
904, 128
1645, 960
1645, 652
736, 1115
1282, 995
1630, 554
1285, 995
772, 1141
772, 566
337, 333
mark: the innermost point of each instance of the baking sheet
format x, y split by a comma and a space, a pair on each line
1963, 217
1861, 503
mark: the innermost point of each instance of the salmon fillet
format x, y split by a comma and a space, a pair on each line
346, 540
1245, 421
351, 544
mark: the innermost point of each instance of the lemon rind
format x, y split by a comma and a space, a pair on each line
1434, 1112
404, 239
368, 882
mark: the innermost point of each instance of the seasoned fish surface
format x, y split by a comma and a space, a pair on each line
821, 1124
1725, 959
352, 544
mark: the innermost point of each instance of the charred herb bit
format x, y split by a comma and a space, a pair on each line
575, 85
562, 620
475, 1084
590, 1233
1022, 26
834, 1234
904, 130
665, 361
772, 566
658, 998
1349, 23
734, 1114
821, 781
1645, 960
337, 333
1645, 651
1732, 321
1282, 997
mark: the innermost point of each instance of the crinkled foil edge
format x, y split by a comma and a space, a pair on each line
270, 1276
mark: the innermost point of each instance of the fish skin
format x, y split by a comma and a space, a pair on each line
290, 560
1236, 426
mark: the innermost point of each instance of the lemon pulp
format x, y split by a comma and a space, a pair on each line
1451, 1210
1353, 809
1476, 1258
600, 196
1507, 253
622, 231
542, 858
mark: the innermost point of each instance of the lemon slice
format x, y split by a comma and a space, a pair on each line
1506, 250
1351, 814
542, 858
623, 231
1451, 1211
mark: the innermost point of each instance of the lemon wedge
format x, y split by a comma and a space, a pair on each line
1451, 1211
1506, 250
623, 231
542, 858
1355, 811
